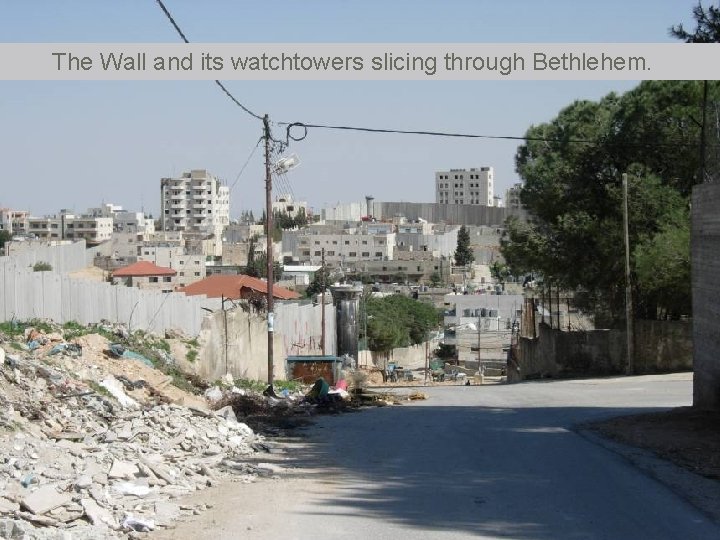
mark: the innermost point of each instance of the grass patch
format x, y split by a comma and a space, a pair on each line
98, 388
290, 386
191, 355
17, 346
248, 384
193, 342
72, 330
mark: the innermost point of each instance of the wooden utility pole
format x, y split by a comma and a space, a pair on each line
268, 234
628, 287
322, 304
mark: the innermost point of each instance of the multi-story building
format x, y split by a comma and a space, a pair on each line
190, 268
196, 202
285, 204
345, 248
465, 186
67, 226
14, 221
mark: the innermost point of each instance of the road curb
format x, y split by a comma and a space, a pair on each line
703, 493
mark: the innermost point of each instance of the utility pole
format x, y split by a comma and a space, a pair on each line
322, 304
702, 133
269, 257
628, 287
222, 303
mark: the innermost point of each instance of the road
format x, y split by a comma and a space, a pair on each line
479, 461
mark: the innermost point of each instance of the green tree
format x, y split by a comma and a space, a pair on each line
42, 267
707, 28
5, 237
435, 279
572, 168
319, 282
398, 321
463, 254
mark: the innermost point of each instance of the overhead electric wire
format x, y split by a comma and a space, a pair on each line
242, 170
186, 40
432, 133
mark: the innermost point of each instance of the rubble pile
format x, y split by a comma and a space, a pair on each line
90, 447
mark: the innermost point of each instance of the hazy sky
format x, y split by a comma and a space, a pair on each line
78, 144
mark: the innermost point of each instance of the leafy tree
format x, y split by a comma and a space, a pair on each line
463, 254
319, 282
500, 271
663, 267
435, 279
572, 169
707, 29
5, 236
42, 267
398, 321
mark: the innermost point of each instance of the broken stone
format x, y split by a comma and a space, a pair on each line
7, 507
122, 469
45, 499
97, 514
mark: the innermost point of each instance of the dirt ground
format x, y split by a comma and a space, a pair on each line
687, 437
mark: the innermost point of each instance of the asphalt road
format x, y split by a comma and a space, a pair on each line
488, 462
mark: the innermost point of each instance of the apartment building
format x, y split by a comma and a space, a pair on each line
285, 204
68, 226
195, 202
465, 186
344, 248
14, 221
189, 268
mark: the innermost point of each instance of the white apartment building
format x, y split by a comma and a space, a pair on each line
67, 226
344, 249
14, 221
189, 268
285, 204
194, 202
465, 186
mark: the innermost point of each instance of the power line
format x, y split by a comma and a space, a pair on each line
242, 170
221, 85
291, 125
432, 133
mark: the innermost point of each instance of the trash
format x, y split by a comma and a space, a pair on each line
227, 413
341, 384
115, 388
319, 390
34, 344
72, 349
128, 488
116, 349
29, 479
270, 392
137, 356
138, 524
131, 385
213, 394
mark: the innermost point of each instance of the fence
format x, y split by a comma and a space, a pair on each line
25, 294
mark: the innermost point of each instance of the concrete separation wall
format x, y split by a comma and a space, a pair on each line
460, 214
660, 346
297, 332
705, 242
25, 294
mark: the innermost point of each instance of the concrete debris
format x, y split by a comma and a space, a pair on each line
87, 453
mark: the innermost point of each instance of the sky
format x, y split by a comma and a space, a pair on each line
77, 145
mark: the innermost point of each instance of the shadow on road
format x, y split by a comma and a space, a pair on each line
503, 472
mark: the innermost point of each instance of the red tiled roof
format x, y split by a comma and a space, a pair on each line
142, 269
230, 286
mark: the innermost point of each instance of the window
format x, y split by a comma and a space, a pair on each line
364, 242
197, 274
306, 253
317, 253
153, 279
317, 242
347, 242
378, 253
166, 279
352, 254
331, 253
182, 274
182, 262
365, 253
197, 263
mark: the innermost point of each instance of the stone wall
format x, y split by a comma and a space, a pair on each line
297, 331
660, 346
705, 242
